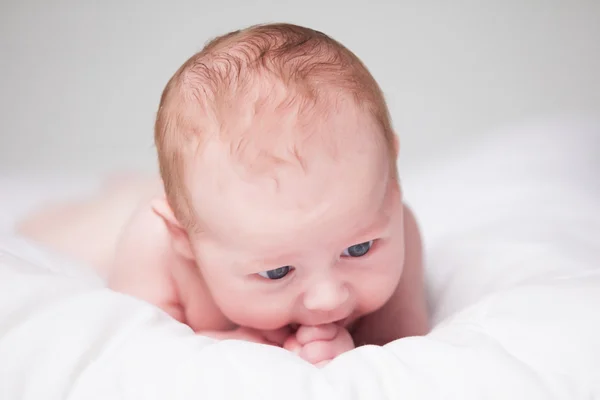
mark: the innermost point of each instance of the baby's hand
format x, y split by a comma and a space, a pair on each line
320, 344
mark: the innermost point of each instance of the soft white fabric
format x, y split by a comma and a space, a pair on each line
512, 234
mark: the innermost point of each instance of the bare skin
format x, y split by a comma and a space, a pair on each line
285, 222
326, 258
149, 268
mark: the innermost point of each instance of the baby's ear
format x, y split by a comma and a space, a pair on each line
396, 145
179, 236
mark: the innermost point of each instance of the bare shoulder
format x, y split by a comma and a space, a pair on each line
413, 241
409, 304
148, 267
405, 313
86, 229
144, 260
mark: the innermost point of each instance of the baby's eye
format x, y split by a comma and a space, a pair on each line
358, 250
276, 273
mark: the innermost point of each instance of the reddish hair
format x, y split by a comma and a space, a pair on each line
307, 63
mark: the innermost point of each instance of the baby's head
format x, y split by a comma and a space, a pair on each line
279, 164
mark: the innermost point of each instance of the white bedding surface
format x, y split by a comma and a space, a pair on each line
512, 234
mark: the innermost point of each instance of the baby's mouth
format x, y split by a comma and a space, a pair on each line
344, 323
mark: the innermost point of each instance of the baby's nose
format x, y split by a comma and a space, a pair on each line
326, 295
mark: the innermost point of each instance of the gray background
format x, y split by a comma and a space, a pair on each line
80, 80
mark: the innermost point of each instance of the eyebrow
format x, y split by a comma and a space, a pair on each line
381, 219
362, 235
252, 264
367, 233
371, 229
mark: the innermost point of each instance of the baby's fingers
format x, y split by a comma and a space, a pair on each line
307, 334
319, 351
292, 344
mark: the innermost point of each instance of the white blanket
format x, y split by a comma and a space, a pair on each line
512, 234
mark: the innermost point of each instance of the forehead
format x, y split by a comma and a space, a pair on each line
328, 190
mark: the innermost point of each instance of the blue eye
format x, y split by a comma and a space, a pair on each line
276, 273
358, 250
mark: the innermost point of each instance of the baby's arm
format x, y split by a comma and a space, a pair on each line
405, 314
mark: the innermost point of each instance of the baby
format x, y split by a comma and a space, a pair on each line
279, 218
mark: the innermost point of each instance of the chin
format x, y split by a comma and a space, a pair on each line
261, 325
350, 321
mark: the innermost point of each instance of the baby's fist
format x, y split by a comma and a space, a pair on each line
320, 344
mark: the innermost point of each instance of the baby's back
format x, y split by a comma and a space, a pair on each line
88, 229
118, 233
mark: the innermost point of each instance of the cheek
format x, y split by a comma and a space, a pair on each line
375, 287
243, 302
245, 306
